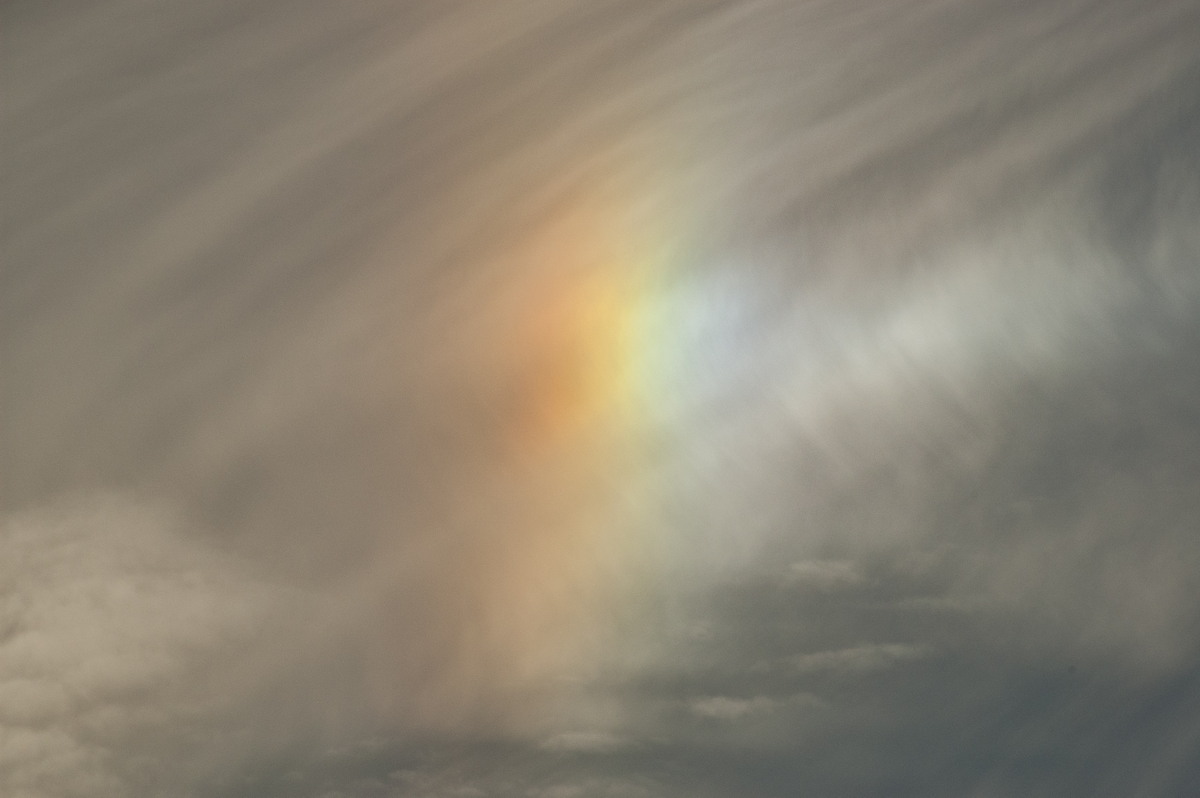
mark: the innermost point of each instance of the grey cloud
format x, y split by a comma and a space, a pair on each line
913, 515
113, 620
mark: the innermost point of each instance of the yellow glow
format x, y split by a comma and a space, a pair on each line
577, 335
581, 357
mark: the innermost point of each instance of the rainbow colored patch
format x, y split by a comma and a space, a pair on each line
623, 332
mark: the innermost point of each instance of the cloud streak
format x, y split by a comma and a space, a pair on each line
599, 398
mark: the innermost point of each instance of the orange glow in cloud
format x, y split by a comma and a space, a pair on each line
581, 359
576, 337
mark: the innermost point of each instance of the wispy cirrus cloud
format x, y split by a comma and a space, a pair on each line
599, 398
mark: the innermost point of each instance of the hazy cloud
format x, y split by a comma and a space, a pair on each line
566, 398
114, 622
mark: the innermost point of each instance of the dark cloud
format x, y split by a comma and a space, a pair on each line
335, 462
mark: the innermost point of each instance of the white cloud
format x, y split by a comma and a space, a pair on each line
583, 741
725, 708
730, 708
859, 659
599, 788
824, 575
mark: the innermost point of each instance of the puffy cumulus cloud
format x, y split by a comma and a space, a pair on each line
114, 626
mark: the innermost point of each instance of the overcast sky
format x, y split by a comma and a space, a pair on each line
614, 398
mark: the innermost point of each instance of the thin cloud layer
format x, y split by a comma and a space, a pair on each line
115, 626
600, 399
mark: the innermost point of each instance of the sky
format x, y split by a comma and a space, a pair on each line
599, 398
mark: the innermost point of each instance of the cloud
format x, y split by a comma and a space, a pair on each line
594, 741
915, 412
824, 575
599, 788
112, 617
727, 708
859, 659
